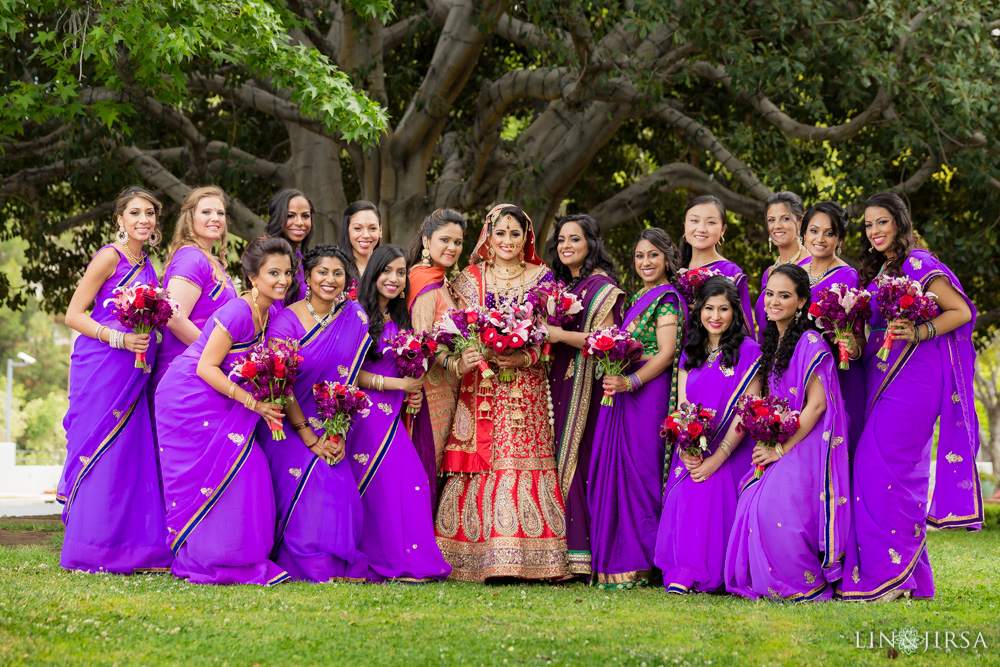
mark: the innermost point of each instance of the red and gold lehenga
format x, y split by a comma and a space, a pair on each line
501, 512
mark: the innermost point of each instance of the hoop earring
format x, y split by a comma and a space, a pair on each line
425, 255
121, 235
491, 255
155, 237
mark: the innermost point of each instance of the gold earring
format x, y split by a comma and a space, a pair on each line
770, 244
521, 256
308, 292
121, 235
839, 248
254, 293
425, 254
722, 239
491, 255
155, 237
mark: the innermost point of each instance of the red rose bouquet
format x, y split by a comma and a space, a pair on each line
338, 405
459, 330
269, 372
511, 328
690, 427
689, 280
143, 309
767, 420
841, 311
413, 353
554, 304
899, 298
615, 350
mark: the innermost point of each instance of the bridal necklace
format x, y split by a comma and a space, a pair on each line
323, 320
814, 279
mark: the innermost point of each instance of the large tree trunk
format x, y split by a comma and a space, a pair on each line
316, 163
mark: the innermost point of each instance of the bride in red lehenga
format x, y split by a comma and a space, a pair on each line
501, 512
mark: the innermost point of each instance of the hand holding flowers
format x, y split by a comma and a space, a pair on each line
460, 330
269, 371
841, 312
903, 304
770, 422
615, 350
338, 406
144, 309
414, 354
555, 306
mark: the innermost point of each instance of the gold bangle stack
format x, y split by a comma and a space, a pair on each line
377, 383
726, 447
781, 452
250, 403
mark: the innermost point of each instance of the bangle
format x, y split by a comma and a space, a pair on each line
628, 383
634, 381
97, 332
527, 358
726, 447
232, 389
300, 426
781, 452
931, 325
249, 402
381, 382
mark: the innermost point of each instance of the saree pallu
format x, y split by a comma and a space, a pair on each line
576, 396
698, 516
191, 265
216, 483
501, 511
790, 532
731, 269
429, 300
398, 537
759, 315
852, 380
109, 487
319, 514
907, 393
625, 485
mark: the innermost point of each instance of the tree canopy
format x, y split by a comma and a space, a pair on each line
619, 109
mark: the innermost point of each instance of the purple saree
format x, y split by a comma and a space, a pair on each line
852, 381
625, 485
759, 316
113, 510
216, 483
399, 526
727, 268
318, 506
190, 264
791, 525
698, 516
576, 397
906, 395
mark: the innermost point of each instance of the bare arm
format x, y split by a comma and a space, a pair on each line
186, 295
98, 272
708, 466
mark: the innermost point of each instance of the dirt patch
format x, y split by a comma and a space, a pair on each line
24, 538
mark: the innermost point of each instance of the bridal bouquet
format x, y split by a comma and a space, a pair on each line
459, 330
767, 420
689, 280
512, 328
841, 311
899, 298
269, 371
690, 427
338, 405
143, 309
615, 350
554, 304
413, 353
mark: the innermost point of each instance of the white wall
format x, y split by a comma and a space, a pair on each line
23, 480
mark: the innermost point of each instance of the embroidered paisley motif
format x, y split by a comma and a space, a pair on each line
470, 513
117, 414
809, 577
813, 338
916, 530
463, 423
531, 518
361, 458
952, 457
882, 366
554, 513
855, 575
84, 460
343, 370
447, 516
385, 407
237, 438
504, 512
488, 507
837, 440
894, 555
207, 491
916, 263
295, 472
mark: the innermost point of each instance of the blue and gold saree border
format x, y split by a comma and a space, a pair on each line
378, 457
101, 448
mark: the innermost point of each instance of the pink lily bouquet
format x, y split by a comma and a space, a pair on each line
338, 406
269, 371
615, 350
143, 309
554, 304
413, 353
841, 311
768, 420
459, 330
512, 328
689, 280
690, 427
899, 298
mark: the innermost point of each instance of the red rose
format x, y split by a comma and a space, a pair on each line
815, 310
566, 303
471, 316
432, 345
413, 344
761, 411
906, 301
671, 424
706, 414
249, 370
279, 368
604, 343
516, 340
353, 294
694, 429
490, 336
140, 302
359, 395
501, 343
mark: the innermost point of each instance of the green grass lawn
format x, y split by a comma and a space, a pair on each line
49, 615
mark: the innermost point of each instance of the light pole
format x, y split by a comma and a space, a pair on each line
26, 360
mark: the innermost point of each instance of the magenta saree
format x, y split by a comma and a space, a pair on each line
790, 532
576, 396
216, 483
109, 487
907, 394
399, 528
318, 507
698, 516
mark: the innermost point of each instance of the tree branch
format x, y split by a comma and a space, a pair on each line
259, 99
641, 195
37, 147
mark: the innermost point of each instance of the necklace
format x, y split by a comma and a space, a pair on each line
322, 321
508, 274
793, 260
814, 279
128, 253
714, 354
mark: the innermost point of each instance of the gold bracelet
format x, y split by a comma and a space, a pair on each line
232, 389
726, 447
300, 426
781, 452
